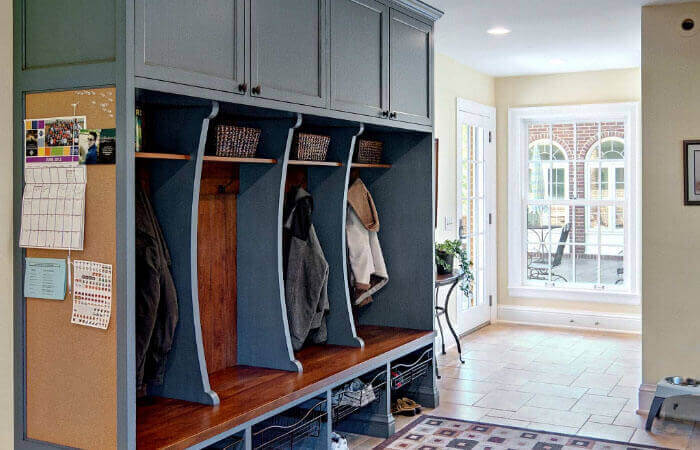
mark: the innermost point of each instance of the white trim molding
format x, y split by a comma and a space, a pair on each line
587, 295
646, 395
519, 119
558, 318
475, 114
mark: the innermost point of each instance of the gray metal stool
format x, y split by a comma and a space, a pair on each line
667, 388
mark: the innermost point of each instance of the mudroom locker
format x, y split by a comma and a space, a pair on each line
221, 109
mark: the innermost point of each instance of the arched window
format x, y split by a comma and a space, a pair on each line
605, 181
548, 171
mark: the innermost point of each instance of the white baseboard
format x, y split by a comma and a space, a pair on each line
584, 320
646, 395
679, 408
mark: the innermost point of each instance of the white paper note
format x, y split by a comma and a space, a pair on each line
92, 294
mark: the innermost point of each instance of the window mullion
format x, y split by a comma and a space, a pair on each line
572, 209
549, 222
600, 196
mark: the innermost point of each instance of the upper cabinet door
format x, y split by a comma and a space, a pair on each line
359, 56
410, 67
288, 51
196, 43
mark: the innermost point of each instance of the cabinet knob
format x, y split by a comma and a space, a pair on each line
256, 90
242, 87
392, 115
385, 113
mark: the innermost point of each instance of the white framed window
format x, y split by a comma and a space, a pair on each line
574, 202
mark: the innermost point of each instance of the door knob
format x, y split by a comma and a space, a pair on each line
242, 87
385, 113
392, 115
256, 90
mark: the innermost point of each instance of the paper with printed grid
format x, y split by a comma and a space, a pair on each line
92, 294
53, 208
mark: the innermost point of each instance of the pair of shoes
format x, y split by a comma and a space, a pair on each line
406, 407
355, 393
338, 442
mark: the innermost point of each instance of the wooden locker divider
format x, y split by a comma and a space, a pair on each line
71, 370
175, 198
263, 330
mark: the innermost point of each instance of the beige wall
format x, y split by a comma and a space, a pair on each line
6, 244
545, 90
453, 80
671, 248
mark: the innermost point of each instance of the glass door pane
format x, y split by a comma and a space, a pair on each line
473, 218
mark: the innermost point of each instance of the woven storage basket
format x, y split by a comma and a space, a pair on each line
369, 152
236, 141
312, 147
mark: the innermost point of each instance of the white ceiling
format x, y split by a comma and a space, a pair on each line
583, 34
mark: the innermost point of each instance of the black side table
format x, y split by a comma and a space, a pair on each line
444, 280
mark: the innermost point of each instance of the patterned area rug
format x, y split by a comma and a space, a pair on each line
434, 433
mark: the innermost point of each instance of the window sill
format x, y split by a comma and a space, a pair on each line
581, 295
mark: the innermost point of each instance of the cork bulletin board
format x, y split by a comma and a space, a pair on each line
71, 370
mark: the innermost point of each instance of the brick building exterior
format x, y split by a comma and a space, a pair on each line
576, 140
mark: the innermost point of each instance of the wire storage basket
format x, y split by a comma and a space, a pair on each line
369, 152
403, 374
312, 147
347, 402
230, 443
288, 429
235, 141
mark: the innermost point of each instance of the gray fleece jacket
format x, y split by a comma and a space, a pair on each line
306, 274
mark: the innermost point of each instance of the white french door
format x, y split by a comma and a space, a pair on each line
476, 210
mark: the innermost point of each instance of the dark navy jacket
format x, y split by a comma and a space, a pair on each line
156, 298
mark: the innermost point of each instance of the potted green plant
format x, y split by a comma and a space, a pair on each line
445, 253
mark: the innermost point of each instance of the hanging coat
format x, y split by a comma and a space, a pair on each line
368, 270
156, 298
306, 273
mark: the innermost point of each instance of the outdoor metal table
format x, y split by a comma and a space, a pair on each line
542, 232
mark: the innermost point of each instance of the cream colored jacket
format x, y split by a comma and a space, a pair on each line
368, 271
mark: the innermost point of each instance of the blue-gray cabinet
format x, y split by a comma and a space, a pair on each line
288, 51
359, 56
195, 43
410, 69
381, 61
368, 57
88, 41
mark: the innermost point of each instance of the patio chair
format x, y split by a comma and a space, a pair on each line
539, 269
620, 270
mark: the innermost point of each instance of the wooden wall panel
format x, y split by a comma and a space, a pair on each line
216, 264
71, 369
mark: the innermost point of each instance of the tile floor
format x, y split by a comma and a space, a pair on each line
564, 381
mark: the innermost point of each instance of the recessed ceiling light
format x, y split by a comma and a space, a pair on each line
556, 61
498, 31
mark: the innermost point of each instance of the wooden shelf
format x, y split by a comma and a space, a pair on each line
370, 166
172, 156
237, 160
299, 162
248, 392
